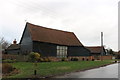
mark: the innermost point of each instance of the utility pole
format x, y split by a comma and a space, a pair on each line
101, 46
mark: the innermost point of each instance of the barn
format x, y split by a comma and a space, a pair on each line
51, 42
97, 50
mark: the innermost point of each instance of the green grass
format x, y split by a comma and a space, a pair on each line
54, 68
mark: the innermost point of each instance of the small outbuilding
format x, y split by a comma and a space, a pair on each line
97, 50
13, 48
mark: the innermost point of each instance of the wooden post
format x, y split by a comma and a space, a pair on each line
35, 71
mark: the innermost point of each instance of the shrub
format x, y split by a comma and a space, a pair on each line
87, 59
83, 59
34, 56
49, 60
40, 60
7, 68
74, 59
46, 59
93, 59
63, 59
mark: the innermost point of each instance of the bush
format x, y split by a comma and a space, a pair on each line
63, 59
74, 59
45, 59
34, 56
83, 59
7, 68
40, 60
87, 59
93, 59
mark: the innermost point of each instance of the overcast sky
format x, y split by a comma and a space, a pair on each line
86, 18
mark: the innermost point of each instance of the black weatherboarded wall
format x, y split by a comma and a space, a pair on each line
45, 49
78, 51
26, 42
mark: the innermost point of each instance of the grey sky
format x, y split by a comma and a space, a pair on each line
86, 18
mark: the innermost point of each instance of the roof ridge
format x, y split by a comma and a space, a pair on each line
48, 28
93, 46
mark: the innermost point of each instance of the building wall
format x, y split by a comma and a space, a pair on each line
78, 51
26, 42
45, 49
17, 51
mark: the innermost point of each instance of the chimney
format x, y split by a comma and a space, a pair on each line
15, 42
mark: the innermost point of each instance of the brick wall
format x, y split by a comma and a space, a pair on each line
17, 57
106, 57
80, 58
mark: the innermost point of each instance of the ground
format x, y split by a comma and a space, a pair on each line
47, 69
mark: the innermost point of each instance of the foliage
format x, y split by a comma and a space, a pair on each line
34, 56
8, 61
45, 59
93, 59
40, 60
74, 59
7, 68
87, 59
64, 59
83, 59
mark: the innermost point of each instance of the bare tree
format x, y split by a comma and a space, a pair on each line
4, 43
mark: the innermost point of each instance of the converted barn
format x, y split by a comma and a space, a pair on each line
51, 42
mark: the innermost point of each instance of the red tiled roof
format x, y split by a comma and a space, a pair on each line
95, 49
42, 34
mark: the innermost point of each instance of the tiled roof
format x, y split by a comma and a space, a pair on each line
13, 46
48, 35
95, 49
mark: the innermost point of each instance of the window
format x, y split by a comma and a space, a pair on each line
61, 51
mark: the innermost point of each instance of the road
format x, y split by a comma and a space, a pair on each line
110, 71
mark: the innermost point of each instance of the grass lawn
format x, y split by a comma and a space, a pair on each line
53, 68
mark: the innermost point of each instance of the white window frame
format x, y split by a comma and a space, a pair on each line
61, 51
